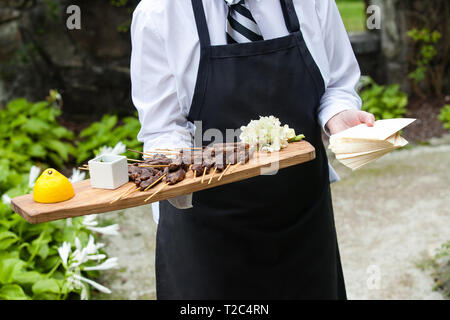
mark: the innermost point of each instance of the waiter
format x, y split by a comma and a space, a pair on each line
226, 62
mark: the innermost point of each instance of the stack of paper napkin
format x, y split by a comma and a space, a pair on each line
360, 145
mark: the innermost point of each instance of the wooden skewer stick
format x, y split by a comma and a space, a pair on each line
143, 153
135, 160
159, 179
235, 166
83, 168
163, 152
153, 165
204, 173
195, 174
190, 168
157, 191
223, 172
123, 194
131, 191
177, 149
210, 179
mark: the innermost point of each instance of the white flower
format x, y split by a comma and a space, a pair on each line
34, 174
112, 230
82, 286
6, 199
73, 262
78, 244
90, 221
110, 263
118, 149
97, 257
96, 285
64, 252
77, 176
79, 257
91, 247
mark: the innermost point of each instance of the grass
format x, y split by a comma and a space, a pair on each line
352, 12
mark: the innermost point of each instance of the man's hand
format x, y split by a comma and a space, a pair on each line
347, 119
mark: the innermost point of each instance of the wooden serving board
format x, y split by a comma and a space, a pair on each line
88, 200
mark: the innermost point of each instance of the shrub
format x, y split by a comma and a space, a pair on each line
29, 132
108, 132
31, 256
444, 116
384, 102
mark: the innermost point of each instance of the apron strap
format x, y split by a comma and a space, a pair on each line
290, 16
202, 26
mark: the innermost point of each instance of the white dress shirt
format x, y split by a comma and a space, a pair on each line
166, 52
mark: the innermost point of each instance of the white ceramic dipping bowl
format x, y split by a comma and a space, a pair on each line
108, 171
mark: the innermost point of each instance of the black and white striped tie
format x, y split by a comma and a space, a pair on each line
241, 26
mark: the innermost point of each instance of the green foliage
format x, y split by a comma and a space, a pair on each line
427, 52
30, 267
385, 102
444, 116
440, 264
108, 132
428, 58
29, 132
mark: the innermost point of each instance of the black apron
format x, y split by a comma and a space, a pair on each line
269, 237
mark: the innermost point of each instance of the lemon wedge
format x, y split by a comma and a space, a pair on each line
52, 187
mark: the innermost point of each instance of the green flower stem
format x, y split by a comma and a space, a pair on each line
53, 269
38, 246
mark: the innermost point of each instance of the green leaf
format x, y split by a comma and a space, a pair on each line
4, 169
12, 292
46, 296
50, 262
56, 159
37, 107
40, 245
61, 148
8, 234
18, 121
28, 277
61, 132
18, 105
20, 141
35, 126
6, 243
46, 286
43, 251
9, 268
37, 151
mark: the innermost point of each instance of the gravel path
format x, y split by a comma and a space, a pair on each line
390, 216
